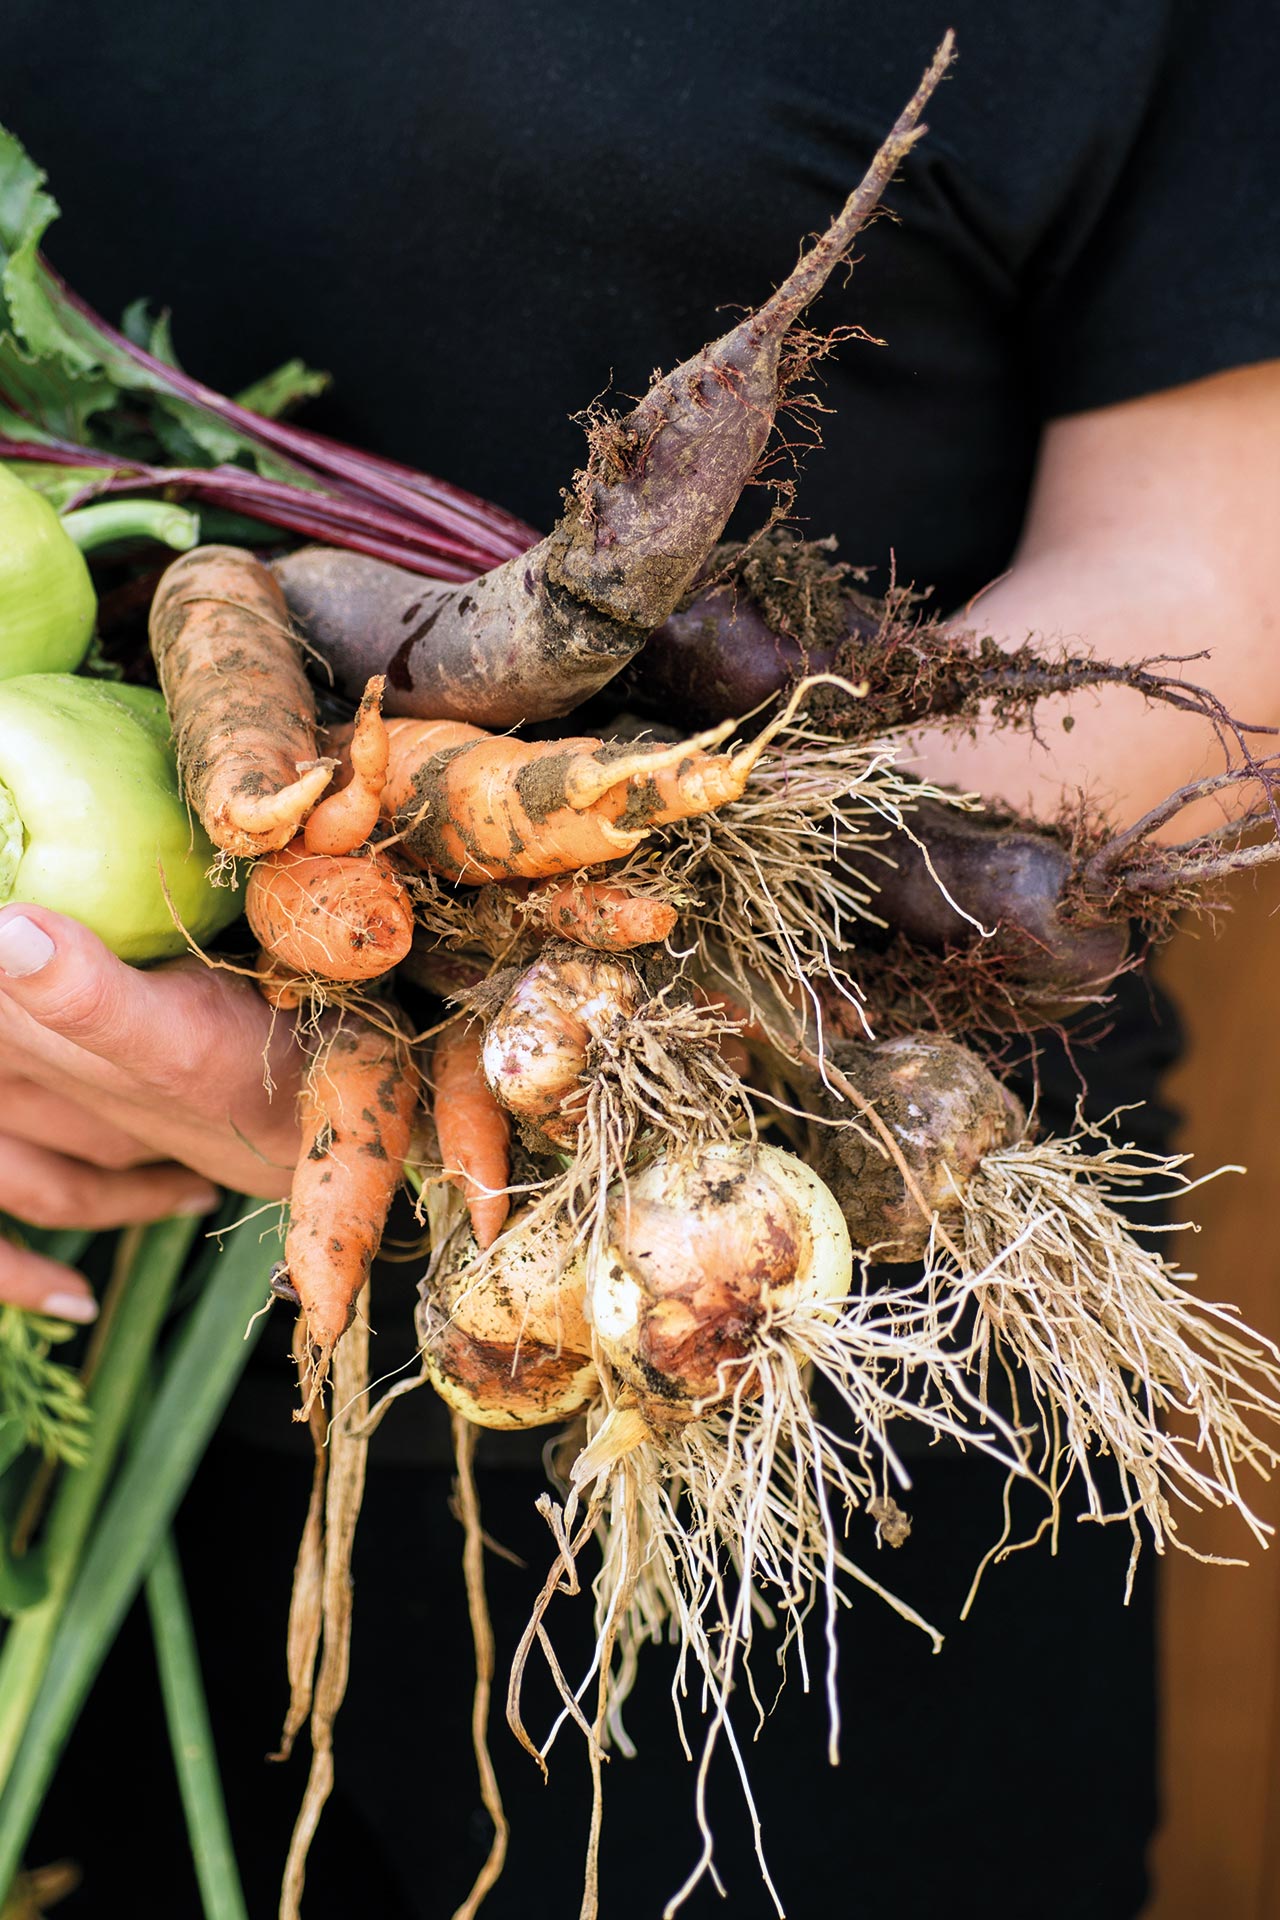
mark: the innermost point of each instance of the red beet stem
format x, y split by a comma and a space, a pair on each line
342, 518
494, 533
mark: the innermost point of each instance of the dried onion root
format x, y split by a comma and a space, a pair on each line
596, 1063
778, 899
720, 1499
1119, 1358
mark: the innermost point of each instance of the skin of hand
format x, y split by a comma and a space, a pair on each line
1150, 530
125, 1095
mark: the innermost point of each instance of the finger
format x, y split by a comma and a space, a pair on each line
69, 1006
52, 1190
37, 1285
72, 987
48, 1118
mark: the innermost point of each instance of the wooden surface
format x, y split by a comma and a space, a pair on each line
1218, 1853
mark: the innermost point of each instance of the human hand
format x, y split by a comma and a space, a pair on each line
124, 1094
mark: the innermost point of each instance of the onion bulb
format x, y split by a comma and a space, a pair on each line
504, 1338
946, 1112
704, 1252
535, 1051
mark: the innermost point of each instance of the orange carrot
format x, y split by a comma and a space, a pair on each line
356, 1110
475, 807
344, 820
595, 914
339, 919
241, 710
474, 1132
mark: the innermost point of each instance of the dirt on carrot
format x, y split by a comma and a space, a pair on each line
357, 1110
344, 819
242, 712
473, 807
346, 918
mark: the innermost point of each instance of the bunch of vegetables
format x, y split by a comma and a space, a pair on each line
641, 954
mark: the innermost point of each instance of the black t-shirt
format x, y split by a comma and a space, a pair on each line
481, 217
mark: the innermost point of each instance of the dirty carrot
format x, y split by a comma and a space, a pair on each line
344, 918
241, 710
475, 807
344, 819
473, 1130
356, 1109
594, 913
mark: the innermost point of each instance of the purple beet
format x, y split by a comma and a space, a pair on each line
1012, 878
537, 635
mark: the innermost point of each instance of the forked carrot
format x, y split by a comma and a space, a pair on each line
473, 1130
356, 1110
344, 820
474, 807
345, 918
242, 713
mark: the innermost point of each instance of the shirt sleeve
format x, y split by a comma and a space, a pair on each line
1179, 276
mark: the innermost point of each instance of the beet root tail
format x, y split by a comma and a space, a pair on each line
536, 636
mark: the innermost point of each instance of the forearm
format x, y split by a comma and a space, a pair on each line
1108, 743
1137, 544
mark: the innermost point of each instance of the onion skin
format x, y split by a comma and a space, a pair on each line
702, 1253
535, 1050
509, 1346
946, 1112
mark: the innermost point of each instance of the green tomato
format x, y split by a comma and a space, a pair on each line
47, 602
91, 816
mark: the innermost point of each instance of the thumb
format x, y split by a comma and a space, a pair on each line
72, 986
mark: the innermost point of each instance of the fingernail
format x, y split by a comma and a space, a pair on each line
203, 1200
80, 1307
24, 947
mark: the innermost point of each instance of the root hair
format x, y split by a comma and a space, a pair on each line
1118, 1357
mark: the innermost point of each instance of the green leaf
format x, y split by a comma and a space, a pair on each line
21, 181
198, 1378
191, 1738
59, 370
277, 392
127, 1346
45, 1399
152, 332
211, 441
50, 394
31, 308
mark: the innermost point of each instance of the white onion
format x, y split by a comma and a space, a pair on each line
505, 1340
704, 1252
